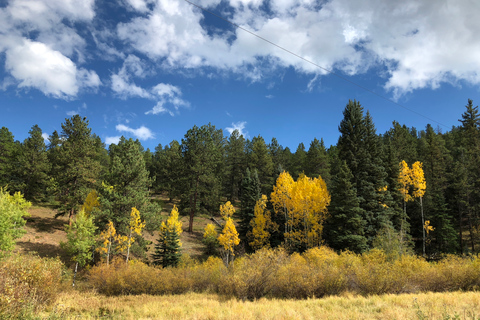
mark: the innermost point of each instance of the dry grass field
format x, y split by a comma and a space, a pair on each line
88, 305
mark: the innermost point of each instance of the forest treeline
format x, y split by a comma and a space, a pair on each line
365, 202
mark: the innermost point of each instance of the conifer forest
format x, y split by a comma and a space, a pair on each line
406, 192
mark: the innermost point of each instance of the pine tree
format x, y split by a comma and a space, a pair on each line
33, 166
168, 247
345, 225
76, 164
7, 156
202, 151
235, 165
259, 158
126, 186
249, 196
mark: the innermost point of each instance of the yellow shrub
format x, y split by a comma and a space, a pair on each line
27, 284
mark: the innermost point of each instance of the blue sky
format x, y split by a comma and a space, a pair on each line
151, 69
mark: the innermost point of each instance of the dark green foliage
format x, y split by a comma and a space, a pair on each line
76, 165
126, 185
317, 163
249, 196
167, 250
260, 159
435, 158
33, 167
345, 225
168, 169
299, 162
235, 165
360, 147
202, 151
7, 155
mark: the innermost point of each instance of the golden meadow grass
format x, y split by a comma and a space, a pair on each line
89, 305
269, 284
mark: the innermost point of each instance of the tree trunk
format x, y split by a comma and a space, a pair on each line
423, 226
75, 274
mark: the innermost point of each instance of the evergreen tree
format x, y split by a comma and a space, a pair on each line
76, 164
317, 161
168, 169
359, 146
33, 166
277, 154
202, 151
259, 158
7, 156
126, 186
249, 196
167, 249
235, 165
345, 225
299, 161
434, 164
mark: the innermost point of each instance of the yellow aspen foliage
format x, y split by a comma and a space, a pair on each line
210, 231
91, 202
405, 180
261, 225
281, 196
304, 203
418, 180
107, 237
428, 227
228, 239
135, 226
227, 210
173, 224
210, 238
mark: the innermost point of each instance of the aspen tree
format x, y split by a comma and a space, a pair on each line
419, 186
135, 227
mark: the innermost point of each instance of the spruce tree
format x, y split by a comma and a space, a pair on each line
345, 225
299, 161
167, 250
317, 163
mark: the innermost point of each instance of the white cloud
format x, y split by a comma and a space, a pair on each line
45, 137
142, 133
240, 126
112, 140
269, 96
420, 43
44, 62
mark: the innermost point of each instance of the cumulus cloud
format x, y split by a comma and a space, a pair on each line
142, 133
419, 43
44, 62
112, 140
240, 126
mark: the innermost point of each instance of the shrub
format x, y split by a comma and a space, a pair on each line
27, 284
